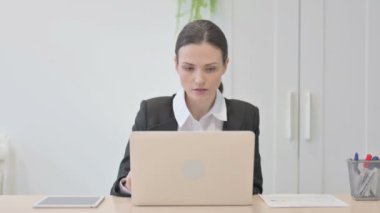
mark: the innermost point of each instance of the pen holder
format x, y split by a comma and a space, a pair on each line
364, 179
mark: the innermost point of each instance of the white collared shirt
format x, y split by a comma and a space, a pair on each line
212, 121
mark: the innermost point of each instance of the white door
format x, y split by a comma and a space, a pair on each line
339, 63
312, 68
338, 41
264, 67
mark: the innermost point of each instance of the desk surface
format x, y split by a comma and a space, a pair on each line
18, 204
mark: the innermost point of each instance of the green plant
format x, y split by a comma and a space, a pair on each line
196, 8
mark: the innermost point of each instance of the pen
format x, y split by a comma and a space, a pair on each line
367, 158
374, 164
368, 181
365, 187
356, 157
355, 163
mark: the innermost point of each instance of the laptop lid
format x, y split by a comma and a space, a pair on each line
192, 168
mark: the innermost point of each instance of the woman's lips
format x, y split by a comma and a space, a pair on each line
200, 91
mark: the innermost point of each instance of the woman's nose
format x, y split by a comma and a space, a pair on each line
198, 77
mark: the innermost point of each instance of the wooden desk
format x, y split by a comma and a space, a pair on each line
23, 204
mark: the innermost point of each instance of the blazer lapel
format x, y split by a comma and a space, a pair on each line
169, 125
232, 123
168, 121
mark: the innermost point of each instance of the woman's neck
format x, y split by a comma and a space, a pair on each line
199, 108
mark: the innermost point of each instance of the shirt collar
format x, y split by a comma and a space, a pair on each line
182, 113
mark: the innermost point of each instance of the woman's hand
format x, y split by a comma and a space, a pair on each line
128, 181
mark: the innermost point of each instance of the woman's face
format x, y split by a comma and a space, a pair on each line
200, 68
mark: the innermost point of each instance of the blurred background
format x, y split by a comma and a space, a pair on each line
73, 73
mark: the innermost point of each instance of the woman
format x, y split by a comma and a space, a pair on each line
201, 59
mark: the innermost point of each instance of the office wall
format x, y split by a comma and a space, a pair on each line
72, 75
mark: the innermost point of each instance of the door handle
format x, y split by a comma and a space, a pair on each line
308, 115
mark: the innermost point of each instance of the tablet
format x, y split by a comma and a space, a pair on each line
69, 202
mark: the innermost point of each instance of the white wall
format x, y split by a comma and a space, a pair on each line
72, 74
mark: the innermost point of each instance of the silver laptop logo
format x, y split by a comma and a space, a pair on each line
192, 169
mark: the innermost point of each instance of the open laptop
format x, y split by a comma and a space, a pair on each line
192, 168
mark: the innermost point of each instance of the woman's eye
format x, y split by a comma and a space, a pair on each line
188, 68
210, 69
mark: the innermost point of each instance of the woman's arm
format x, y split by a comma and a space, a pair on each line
125, 164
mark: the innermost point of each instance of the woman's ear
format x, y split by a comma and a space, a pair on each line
175, 63
226, 65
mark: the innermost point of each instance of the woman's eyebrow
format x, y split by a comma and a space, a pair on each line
206, 65
211, 64
187, 63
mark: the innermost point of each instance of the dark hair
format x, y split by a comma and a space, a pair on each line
200, 31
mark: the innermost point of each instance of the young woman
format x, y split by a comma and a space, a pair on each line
201, 59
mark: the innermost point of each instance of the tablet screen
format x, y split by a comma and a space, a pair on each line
69, 201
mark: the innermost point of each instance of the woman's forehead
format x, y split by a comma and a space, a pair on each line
203, 52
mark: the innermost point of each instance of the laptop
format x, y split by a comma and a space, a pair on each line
192, 168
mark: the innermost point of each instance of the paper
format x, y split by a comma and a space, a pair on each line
302, 200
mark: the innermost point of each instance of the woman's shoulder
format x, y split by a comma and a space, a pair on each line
243, 115
160, 99
159, 102
155, 114
236, 104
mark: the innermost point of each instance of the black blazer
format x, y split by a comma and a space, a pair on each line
157, 114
